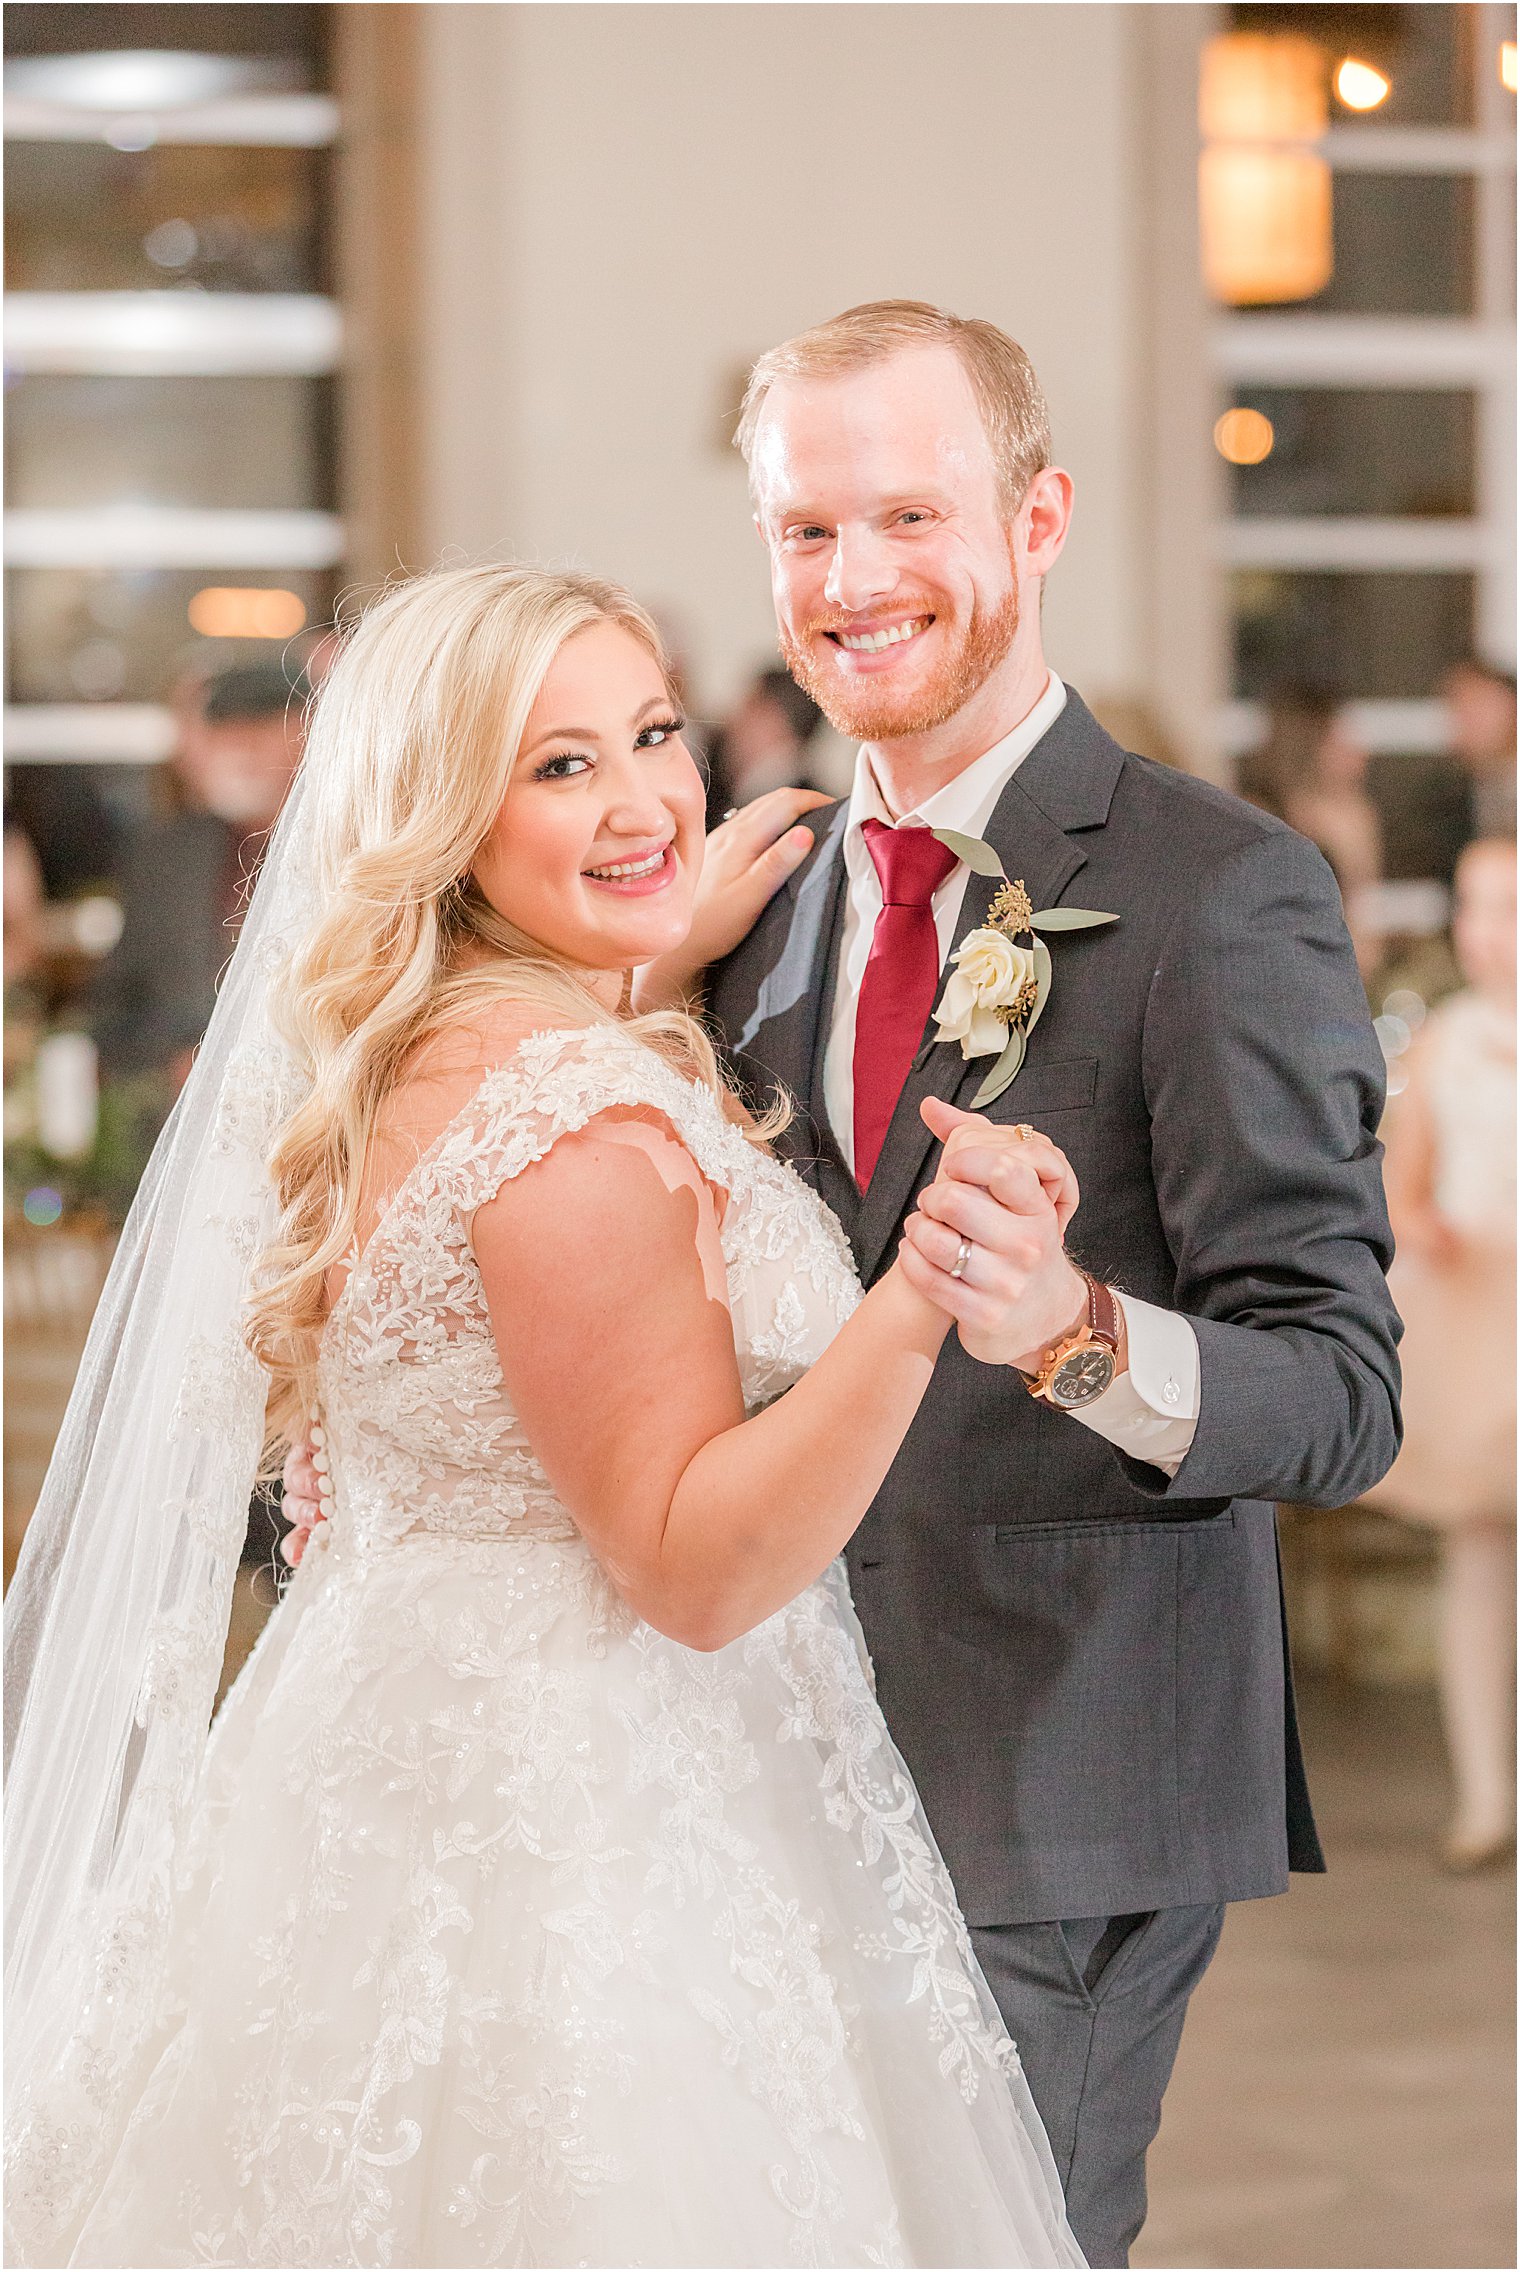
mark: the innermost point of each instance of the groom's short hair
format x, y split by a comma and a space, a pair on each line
1012, 404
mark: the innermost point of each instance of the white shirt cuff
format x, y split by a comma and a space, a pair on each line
1151, 1412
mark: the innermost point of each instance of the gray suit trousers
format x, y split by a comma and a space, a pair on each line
1096, 2006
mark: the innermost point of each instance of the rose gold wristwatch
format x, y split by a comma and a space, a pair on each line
1084, 1364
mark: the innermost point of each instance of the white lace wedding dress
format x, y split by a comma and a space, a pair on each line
520, 1934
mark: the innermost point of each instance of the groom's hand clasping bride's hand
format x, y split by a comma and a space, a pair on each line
748, 858
1011, 1196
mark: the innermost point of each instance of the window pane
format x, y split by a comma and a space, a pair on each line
97, 635
1403, 246
1360, 450
1373, 636
1425, 52
81, 217
251, 443
291, 37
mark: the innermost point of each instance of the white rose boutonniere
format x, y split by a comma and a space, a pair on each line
993, 975
1002, 975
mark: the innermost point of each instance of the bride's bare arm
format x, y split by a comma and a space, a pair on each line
605, 1279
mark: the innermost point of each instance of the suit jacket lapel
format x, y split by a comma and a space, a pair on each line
781, 1032
825, 1167
1066, 783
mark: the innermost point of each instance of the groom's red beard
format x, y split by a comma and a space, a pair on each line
867, 711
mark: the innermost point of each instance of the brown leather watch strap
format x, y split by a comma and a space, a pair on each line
1103, 1313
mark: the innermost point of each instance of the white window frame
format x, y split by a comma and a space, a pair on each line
163, 334
1474, 352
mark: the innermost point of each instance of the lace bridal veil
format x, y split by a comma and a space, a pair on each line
117, 1617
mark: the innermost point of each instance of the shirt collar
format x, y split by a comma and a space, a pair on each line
967, 803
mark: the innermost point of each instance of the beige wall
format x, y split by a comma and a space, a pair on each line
619, 205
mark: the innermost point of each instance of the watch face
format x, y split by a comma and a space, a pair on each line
1085, 1374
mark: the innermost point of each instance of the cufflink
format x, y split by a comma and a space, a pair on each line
1171, 1391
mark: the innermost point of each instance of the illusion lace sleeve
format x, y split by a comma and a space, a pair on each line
558, 1082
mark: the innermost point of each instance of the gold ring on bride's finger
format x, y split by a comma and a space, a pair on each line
1023, 1132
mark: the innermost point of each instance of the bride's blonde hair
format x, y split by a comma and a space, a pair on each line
413, 742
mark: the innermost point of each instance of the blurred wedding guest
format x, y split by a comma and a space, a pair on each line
186, 876
73, 826
1451, 1193
1311, 771
1480, 713
24, 904
764, 744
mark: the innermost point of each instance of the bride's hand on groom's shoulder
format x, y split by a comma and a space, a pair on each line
987, 1242
747, 860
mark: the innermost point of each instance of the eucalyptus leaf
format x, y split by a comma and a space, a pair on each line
1044, 974
1070, 919
1002, 1072
979, 857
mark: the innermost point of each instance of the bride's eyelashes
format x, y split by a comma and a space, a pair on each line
661, 730
653, 736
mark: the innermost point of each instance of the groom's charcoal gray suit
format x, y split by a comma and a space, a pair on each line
1083, 1660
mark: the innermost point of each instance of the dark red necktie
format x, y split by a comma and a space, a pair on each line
902, 972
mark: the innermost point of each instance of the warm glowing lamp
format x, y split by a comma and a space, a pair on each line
1244, 437
1508, 76
1359, 86
1262, 87
225, 611
1264, 198
1265, 224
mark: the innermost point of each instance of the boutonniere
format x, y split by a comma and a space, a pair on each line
1001, 980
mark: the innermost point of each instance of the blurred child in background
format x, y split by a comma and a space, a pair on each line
1451, 1194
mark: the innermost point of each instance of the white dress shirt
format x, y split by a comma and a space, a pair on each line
1151, 1410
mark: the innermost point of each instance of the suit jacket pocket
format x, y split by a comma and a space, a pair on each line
1064, 1085
1064, 1649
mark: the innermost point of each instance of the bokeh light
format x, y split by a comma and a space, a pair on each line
225, 611
1244, 437
1404, 1003
1359, 85
42, 1206
1509, 71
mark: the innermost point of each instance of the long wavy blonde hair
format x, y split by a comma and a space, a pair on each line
413, 741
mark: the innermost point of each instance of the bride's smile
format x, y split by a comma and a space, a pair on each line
597, 848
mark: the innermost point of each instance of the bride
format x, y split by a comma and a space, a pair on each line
549, 1890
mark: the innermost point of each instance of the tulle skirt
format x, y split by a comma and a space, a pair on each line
520, 1935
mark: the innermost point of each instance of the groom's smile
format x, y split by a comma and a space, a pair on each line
872, 643
895, 553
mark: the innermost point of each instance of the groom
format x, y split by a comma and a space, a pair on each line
1071, 1596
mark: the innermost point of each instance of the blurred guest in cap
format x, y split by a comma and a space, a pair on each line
764, 744
1480, 712
186, 877
1451, 1195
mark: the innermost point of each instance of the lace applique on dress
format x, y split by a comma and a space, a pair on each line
520, 1933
